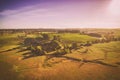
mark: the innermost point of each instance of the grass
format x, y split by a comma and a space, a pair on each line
75, 37
109, 47
32, 68
9, 40
112, 49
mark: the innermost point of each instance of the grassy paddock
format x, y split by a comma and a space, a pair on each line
71, 66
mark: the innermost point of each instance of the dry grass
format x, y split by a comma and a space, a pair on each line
12, 66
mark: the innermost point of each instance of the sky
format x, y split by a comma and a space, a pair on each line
19, 14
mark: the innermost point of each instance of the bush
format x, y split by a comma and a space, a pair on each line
29, 41
88, 43
51, 46
57, 38
37, 50
45, 36
74, 45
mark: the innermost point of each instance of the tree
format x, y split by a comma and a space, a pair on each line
74, 45
37, 50
45, 36
56, 37
88, 43
29, 41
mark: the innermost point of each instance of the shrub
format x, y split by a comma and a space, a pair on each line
29, 41
37, 50
74, 45
45, 36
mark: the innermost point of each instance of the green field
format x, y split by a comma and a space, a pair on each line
76, 37
98, 61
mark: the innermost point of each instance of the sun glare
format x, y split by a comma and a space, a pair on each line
114, 7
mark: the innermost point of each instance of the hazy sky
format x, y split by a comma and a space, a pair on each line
59, 14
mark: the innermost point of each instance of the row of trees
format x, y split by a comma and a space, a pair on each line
44, 44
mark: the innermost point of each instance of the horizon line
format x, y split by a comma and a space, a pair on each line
61, 28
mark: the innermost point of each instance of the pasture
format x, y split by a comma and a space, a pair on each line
73, 56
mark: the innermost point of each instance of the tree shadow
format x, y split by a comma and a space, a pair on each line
28, 55
22, 50
58, 55
96, 61
11, 49
118, 63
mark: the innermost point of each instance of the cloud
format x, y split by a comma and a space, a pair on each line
87, 14
114, 7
